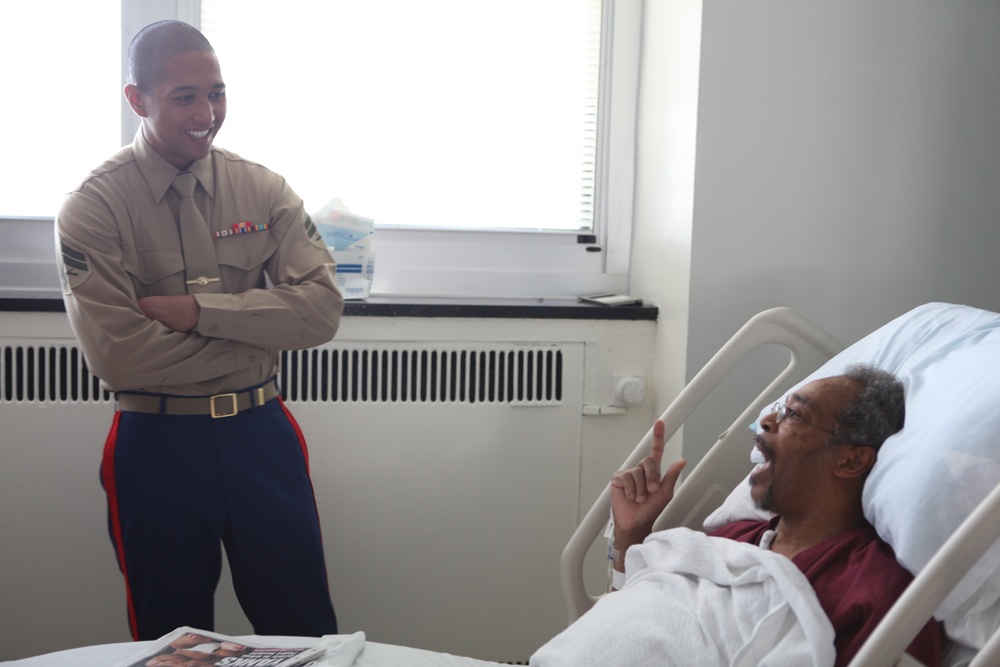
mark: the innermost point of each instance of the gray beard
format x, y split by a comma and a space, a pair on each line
767, 502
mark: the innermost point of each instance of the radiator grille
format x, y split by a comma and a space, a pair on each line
520, 375
525, 374
49, 373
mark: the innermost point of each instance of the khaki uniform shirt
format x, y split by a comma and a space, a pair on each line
117, 235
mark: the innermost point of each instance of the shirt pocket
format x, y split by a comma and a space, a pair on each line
154, 271
242, 257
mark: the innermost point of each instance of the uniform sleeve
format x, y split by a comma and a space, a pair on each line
301, 308
122, 346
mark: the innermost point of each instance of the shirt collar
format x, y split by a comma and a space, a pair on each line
159, 173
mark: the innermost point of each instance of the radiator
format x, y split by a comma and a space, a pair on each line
449, 472
518, 375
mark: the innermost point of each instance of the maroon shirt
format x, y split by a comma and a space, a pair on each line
857, 579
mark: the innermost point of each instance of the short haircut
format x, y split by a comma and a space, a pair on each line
155, 44
877, 411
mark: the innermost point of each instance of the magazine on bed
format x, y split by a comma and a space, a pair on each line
190, 647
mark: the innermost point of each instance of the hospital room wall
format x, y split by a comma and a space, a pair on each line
838, 157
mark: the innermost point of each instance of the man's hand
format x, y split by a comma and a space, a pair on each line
179, 313
638, 495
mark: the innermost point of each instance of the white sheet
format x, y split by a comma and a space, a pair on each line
345, 651
690, 599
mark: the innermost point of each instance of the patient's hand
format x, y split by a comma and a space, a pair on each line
638, 495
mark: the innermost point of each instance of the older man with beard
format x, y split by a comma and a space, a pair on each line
818, 448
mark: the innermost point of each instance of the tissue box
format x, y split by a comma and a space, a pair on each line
345, 231
355, 272
349, 238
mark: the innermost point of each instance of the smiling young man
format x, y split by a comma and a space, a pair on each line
818, 448
186, 271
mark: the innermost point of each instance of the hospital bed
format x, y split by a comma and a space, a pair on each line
934, 494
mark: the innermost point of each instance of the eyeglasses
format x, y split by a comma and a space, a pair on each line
781, 411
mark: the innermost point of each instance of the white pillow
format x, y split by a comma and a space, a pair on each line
932, 474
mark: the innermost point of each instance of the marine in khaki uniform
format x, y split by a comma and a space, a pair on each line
182, 310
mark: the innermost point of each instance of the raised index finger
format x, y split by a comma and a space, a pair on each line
656, 451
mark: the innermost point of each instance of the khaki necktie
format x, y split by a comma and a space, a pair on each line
200, 264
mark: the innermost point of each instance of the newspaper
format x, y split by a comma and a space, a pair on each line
190, 647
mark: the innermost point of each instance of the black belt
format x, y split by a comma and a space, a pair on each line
220, 405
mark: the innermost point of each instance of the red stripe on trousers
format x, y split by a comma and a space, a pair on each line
110, 487
305, 456
298, 434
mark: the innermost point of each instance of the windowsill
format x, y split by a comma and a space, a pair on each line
539, 309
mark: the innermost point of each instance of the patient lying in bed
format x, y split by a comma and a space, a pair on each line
810, 585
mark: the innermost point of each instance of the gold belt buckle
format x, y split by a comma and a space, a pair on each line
233, 409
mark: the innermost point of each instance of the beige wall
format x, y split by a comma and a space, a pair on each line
665, 152
847, 165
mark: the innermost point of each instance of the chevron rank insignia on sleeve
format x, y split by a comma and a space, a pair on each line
76, 268
313, 232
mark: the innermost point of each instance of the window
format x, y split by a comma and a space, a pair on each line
484, 137
452, 114
62, 91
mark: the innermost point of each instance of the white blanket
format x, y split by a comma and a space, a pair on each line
690, 599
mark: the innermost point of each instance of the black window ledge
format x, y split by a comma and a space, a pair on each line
539, 309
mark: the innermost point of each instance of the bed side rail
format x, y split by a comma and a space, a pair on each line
728, 461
